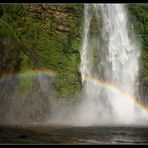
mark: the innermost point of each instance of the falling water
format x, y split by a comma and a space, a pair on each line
109, 65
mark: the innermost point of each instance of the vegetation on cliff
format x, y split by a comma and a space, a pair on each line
34, 36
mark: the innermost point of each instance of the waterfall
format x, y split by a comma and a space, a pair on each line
109, 65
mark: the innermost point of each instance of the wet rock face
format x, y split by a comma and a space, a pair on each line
19, 106
52, 16
58, 15
50, 35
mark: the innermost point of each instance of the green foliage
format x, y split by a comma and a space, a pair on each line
26, 82
38, 35
140, 11
25, 73
140, 22
9, 19
67, 84
146, 90
8, 26
58, 52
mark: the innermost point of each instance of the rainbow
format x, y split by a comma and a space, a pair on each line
30, 72
92, 79
116, 90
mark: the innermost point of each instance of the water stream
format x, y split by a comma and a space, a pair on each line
109, 66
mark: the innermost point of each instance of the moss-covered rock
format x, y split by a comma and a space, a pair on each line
49, 36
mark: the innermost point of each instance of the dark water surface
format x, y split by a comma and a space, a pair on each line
73, 135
